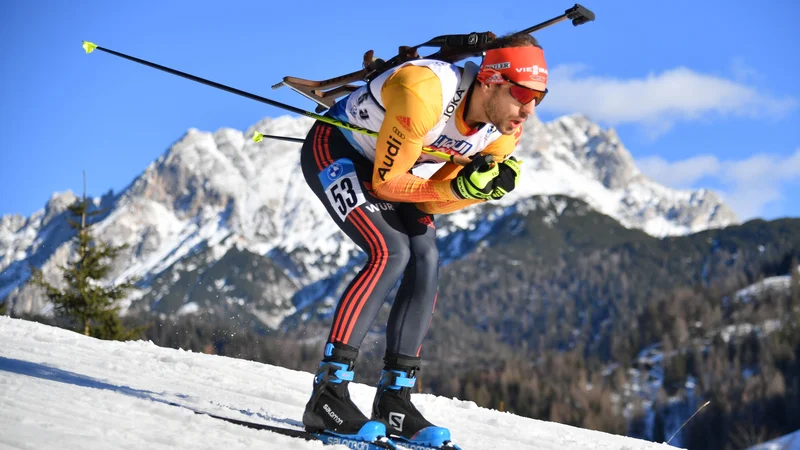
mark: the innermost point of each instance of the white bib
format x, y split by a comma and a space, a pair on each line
364, 108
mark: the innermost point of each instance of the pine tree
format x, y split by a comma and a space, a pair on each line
85, 299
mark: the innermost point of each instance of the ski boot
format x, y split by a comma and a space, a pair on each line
330, 410
393, 405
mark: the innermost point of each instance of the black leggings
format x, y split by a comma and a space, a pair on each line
398, 238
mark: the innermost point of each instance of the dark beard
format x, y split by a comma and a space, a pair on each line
491, 110
498, 122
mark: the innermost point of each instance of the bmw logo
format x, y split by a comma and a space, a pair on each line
335, 171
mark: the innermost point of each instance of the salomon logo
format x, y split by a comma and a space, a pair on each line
396, 420
349, 443
409, 446
333, 415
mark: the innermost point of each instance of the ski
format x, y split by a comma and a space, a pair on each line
324, 437
408, 445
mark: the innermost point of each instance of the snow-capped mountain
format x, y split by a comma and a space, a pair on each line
211, 192
573, 156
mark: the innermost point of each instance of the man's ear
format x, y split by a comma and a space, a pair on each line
483, 87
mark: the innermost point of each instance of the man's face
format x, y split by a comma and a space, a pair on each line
505, 112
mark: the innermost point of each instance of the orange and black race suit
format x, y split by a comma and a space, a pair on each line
386, 210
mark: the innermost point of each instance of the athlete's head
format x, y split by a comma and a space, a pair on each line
512, 80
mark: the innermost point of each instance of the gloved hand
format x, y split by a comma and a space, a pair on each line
507, 180
476, 179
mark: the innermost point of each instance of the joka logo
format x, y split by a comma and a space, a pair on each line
444, 142
334, 171
405, 122
427, 221
396, 420
451, 107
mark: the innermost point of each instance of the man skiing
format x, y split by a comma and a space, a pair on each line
368, 188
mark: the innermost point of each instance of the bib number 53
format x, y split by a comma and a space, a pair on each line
344, 196
342, 187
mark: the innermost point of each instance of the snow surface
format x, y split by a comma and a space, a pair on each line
789, 442
768, 286
63, 390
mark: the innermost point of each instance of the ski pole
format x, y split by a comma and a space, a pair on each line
687, 420
89, 47
257, 137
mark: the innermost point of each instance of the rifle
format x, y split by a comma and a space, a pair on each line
452, 48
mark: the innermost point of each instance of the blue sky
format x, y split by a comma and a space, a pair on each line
703, 94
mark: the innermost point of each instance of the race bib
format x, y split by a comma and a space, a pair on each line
341, 185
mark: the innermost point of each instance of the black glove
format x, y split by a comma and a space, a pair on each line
476, 179
506, 181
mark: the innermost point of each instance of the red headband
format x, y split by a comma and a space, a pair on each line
518, 64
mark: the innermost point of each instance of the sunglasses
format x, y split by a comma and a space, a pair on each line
524, 94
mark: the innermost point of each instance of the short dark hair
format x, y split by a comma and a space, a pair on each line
513, 40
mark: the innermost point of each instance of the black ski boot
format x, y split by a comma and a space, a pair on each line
393, 405
330, 409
